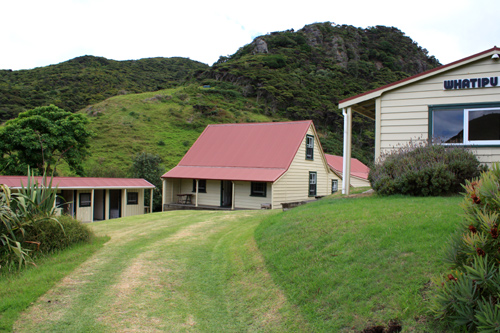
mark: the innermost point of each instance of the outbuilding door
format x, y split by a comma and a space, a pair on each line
226, 193
115, 204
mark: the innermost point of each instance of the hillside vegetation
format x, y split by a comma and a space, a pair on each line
79, 82
165, 123
304, 74
287, 75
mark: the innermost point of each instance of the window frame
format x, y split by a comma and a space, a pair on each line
310, 147
336, 182
131, 200
315, 187
84, 203
202, 186
254, 193
466, 110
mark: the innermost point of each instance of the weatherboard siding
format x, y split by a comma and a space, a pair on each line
294, 184
135, 209
404, 114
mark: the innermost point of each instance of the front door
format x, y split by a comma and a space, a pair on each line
226, 193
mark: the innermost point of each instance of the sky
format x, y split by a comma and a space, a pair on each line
35, 33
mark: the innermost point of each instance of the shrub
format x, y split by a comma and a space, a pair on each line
48, 236
424, 170
469, 295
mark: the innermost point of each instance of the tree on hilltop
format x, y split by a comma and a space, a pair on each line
40, 138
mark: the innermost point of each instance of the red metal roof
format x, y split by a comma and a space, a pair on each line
421, 74
251, 152
358, 169
80, 182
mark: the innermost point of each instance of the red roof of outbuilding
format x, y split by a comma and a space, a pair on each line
251, 152
358, 169
80, 182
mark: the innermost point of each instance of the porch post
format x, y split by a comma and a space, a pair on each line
92, 207
196, 194
164, 194
346, 176
151, 202
233, 195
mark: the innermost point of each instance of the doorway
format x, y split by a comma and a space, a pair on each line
115, 204
226, 193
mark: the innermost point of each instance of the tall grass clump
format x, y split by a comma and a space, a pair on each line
423, 169
469, 294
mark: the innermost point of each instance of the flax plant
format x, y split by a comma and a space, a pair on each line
33, 203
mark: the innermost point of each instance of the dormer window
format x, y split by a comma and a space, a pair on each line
309, 147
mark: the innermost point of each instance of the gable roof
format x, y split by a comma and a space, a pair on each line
248, 152
80, 182
365, 103
358, 169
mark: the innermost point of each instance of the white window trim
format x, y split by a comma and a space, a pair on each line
466, 129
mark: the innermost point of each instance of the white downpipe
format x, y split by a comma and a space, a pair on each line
344, 160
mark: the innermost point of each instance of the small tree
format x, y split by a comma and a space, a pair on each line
148, 166
40, 138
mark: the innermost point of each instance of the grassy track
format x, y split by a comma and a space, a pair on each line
173, 271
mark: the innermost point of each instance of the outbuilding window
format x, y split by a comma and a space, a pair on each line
309, 147
335, 185
466, 124
85, 199
258, 189
202, 185
132, 198
312, 183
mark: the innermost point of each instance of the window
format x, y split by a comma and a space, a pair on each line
312, 184
335, 185
202, 185
466, 124
258, 189
309, 147
132, 198
85, 199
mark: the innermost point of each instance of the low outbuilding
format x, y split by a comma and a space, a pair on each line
91, 199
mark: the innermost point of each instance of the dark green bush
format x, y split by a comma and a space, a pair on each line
469, 295
424, 170
48, 236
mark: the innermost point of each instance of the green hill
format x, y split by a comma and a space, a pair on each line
291, 75
165, 123
79, 82
304, 74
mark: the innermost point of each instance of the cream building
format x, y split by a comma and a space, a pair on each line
457, 104
250, 166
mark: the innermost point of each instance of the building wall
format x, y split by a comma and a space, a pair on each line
294, 184
404, 113
138, 209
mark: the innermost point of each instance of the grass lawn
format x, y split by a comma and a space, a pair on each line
334, 265
359, 262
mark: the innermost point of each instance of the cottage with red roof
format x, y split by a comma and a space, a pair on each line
359, 171
91, 199
457, 104
250, 166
